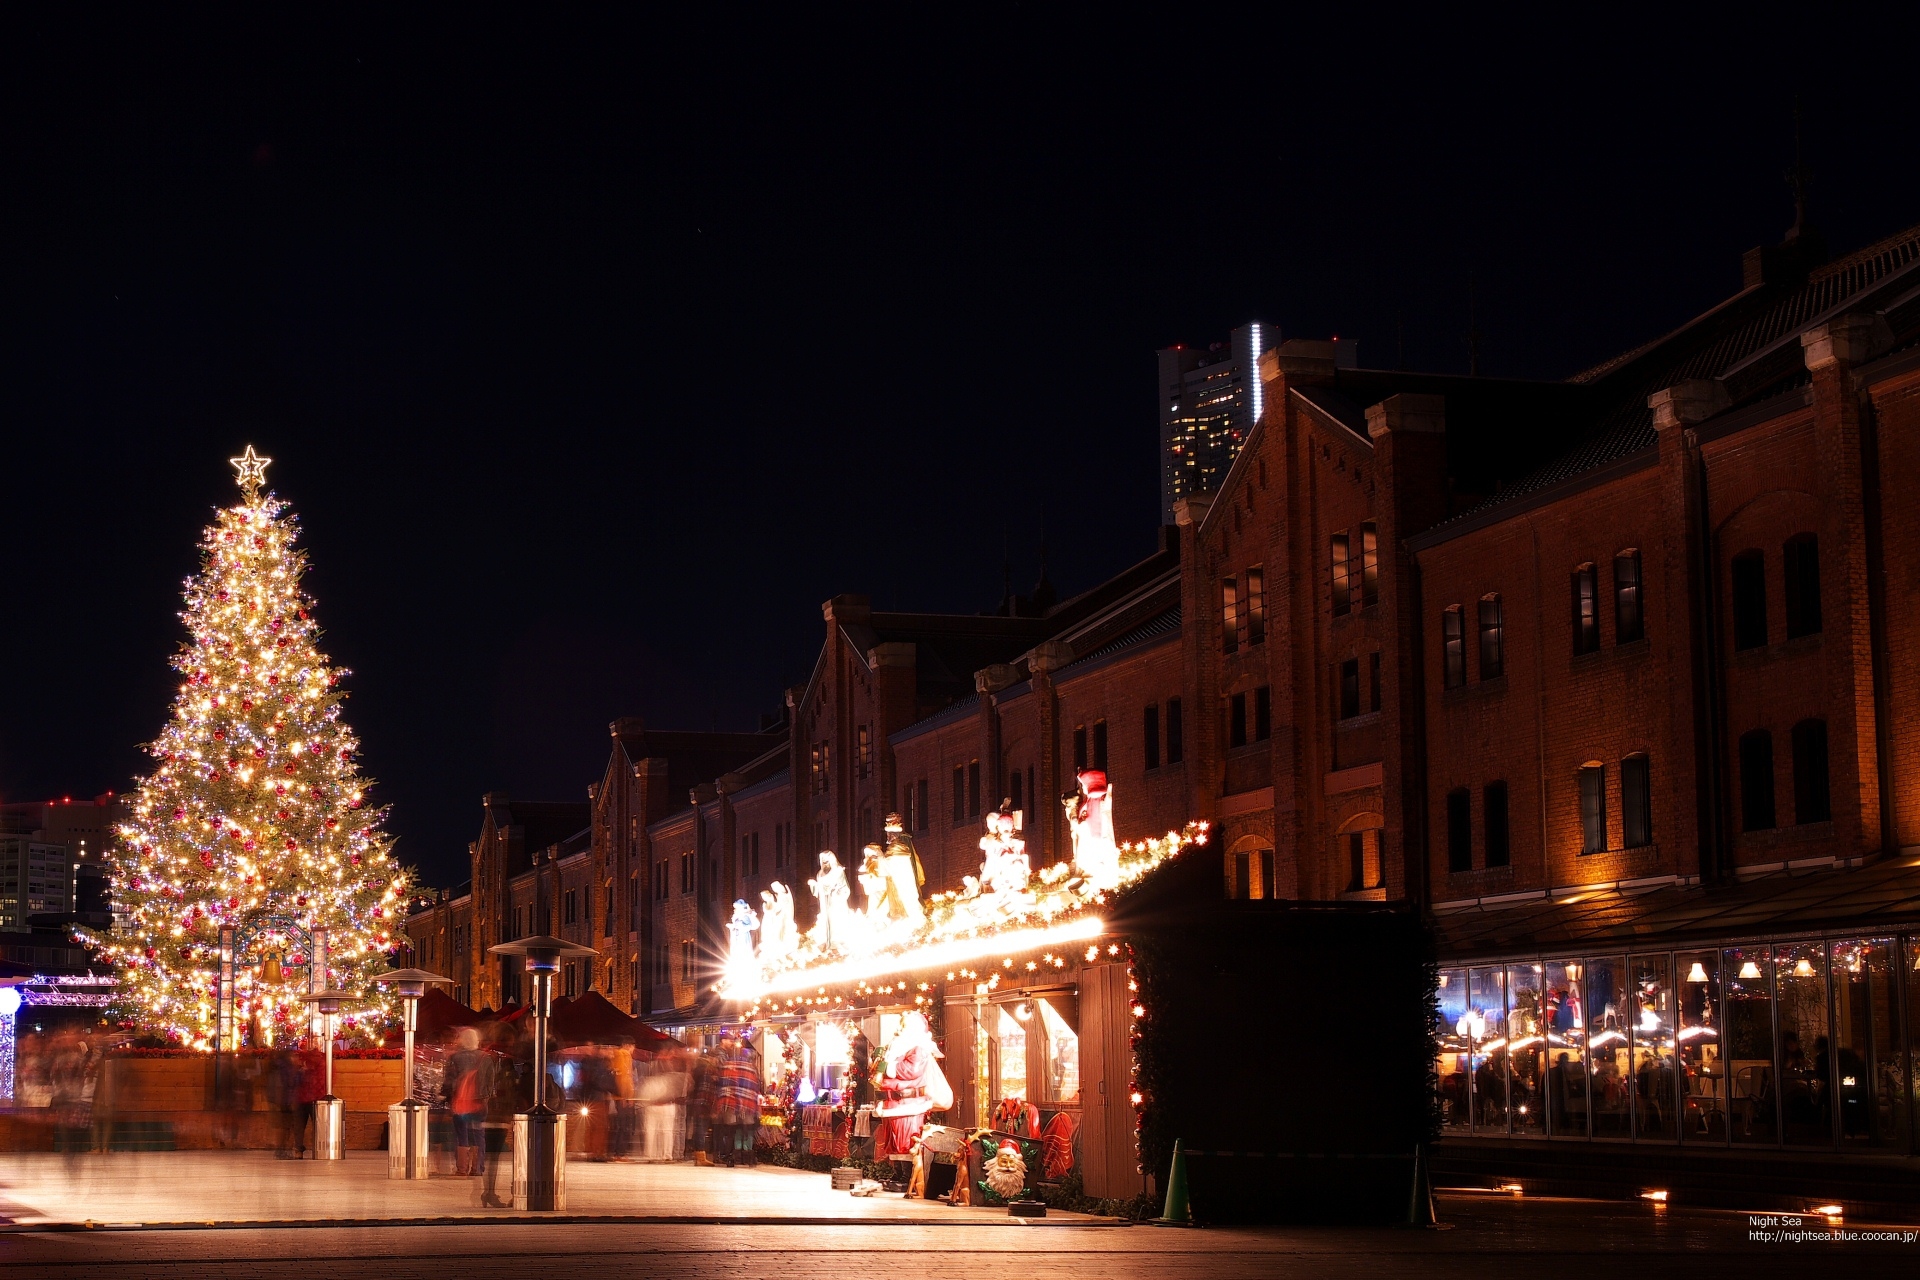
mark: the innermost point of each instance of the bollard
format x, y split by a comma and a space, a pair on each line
1420, 1210
329, 1129
1176, 1212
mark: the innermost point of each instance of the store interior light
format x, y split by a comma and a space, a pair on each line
1698, 973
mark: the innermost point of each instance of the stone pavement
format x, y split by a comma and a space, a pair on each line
1491, 1237
201, 1187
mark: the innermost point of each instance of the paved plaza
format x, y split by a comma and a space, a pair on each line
1501, 1237
234, 1214
203, 1187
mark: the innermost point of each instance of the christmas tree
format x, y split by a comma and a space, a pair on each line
255, 815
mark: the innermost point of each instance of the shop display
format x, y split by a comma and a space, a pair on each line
1090, 819
779, 935
1006, 1173
912, 1086
834, 925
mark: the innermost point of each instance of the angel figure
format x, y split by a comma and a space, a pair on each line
778, 935
834, 926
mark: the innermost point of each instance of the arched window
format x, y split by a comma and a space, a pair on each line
1628, 623
1586, 609
1453, 640
1750, 600
1756, 780
1800, 559
1493, 644
1812, 797
1593, 807
1459, 830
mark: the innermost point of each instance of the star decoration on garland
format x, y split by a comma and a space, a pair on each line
253, 471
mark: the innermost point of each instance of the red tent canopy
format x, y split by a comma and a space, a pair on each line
440, 1012
592, 1019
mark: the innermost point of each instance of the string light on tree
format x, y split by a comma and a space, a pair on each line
256, 810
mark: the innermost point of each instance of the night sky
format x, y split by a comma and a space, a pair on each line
594, 359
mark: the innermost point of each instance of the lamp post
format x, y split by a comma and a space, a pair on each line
540, 1133
407, 1118
329, 1112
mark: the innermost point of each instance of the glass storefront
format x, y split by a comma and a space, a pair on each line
1801, 1042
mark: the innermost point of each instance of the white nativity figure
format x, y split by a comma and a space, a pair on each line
1006, 871
873, 888
742, 966
834, 927
1090, 817
900, 865
778, 935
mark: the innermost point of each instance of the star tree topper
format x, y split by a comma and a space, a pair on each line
253, 471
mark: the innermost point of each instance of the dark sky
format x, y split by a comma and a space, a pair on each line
593, 359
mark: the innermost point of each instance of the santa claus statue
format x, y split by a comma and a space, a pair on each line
1090, 818
912, 1085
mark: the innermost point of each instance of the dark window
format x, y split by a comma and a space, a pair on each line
1079, 748
1628, 624
1266, 874
959, 794
1493, 817
1356, 860
1256, 606
1016, 791
572, 901
1100, 745
1232, 623
1262, 713
1756, 781
1176, 740
926, 814
1586, 609
1459, 830
1636, 802
1350, 688
1237, 720
973, 789
686, 873
609, 928
1373, 681
1493, 645
1453, 642
1342, 577
1801, 560
1150, 726
1243, 874
863, 751
1369, 565
1750, 600
1812, 797
907, 814
1593, 809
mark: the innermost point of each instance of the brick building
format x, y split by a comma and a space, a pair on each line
1611, 676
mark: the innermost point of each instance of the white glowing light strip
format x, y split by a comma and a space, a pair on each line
933, 956
1259, 392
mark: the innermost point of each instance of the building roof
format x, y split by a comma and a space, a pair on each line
541, 822
1871, 899
1750, 343
694, 758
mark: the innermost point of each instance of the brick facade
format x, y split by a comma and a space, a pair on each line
1300, 619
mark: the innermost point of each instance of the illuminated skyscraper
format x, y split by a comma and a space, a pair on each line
1209, 400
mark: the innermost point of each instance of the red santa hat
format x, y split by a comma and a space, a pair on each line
1008, 1144
1093, 781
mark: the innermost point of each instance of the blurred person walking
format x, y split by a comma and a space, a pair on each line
468, 1086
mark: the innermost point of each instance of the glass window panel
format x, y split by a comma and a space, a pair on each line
1010, 1056
1451, 1068
1655, 1021
1703, 1069
1061, 1057
1487, 1045
1609, 1008
1566, 1045
1806, 1052
1746, 978
1527, 1049
1868, 1086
